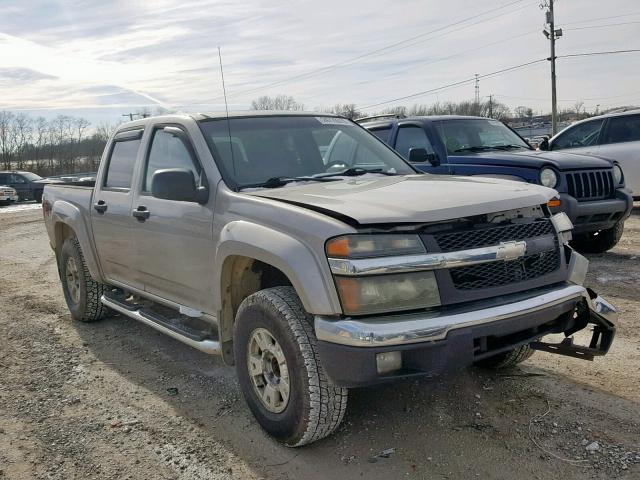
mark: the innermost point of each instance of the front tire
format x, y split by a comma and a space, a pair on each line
81, 292
280, 374
599, 242
507, 359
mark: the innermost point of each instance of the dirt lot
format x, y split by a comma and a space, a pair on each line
117, 400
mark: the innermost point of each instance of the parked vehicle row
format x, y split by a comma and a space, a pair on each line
315, 259
8, 195
592, 190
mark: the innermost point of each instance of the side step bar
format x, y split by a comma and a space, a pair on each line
212, 347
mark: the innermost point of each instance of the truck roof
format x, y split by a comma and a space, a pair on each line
221, 115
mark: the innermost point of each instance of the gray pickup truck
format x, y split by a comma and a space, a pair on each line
238, 237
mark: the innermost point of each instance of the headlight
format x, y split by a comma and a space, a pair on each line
387, 293
548, 178
383, 245
617, 174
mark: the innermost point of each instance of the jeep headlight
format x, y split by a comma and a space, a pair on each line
548, 178
387, 292
617, 174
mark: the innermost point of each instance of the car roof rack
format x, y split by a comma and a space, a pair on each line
381, 116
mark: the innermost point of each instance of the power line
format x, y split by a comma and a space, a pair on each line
454, 84
602, 18
602, 26
405, 43
609, 52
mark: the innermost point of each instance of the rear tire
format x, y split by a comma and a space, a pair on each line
507, 359
81, 292
599, 242
306, 407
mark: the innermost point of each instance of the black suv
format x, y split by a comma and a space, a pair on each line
28, 185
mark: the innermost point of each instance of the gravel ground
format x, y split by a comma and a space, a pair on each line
117, 400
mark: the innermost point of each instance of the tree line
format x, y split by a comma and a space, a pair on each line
62, 145
490, 108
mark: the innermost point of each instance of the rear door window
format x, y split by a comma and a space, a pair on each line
412, 137
623, 129
121, 164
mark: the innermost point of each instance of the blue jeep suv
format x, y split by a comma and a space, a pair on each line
591, 189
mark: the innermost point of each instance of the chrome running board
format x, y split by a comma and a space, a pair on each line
212, 347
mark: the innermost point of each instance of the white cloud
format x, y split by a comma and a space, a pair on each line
95, 54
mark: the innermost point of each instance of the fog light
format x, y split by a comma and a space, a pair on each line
388, 361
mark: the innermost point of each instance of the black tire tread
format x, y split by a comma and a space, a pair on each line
94, 309
328, 403
604, 241
508, 359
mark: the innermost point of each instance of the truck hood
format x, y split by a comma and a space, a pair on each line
374, 199
534, 159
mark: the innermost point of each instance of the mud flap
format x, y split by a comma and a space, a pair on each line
593, 310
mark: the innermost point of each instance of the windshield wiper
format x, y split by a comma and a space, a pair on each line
356, 172
275, 182
476, 148
508, 147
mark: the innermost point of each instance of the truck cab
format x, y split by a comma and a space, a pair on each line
591, 189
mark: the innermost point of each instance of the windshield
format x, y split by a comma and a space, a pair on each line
265, 148
472, 135
31, 176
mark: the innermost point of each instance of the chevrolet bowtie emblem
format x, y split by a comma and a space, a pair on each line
511, 250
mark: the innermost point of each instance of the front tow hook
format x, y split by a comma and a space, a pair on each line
594, 310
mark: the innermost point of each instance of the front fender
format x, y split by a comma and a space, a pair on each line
63, 212
309, 274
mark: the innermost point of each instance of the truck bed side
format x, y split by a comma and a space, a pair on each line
67, 212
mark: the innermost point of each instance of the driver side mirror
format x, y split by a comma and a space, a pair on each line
544, 144
420, 155
178, 184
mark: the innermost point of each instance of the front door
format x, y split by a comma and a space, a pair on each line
414, 136
174, 246
21, 186
111, 210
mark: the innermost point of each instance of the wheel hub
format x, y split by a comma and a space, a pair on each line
73, 279
268, 370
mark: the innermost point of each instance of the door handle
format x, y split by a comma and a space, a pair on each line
100, 206
141, 213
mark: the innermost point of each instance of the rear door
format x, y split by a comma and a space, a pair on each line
621, 142
174, 245
21, 185
111, 217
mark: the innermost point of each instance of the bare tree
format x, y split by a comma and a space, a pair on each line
23, 138
279, 102
40, 127
7, 138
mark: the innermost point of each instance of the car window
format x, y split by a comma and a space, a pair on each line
168, 151
412, 137
582, 135
121, 163
382, 133
623, 129
18, 179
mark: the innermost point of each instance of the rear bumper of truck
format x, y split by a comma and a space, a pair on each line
597, 214
358, 352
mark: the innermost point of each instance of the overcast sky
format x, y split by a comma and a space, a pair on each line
101, 58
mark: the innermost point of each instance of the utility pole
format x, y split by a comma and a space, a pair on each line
553, 34
491, 106
130, 115
477, 93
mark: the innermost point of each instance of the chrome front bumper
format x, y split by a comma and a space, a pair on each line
394, 330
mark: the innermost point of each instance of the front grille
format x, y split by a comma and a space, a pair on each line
484, 237
590, 184
496, 274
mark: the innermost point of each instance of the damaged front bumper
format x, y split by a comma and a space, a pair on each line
444, 339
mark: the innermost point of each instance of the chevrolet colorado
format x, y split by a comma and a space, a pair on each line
237, 236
